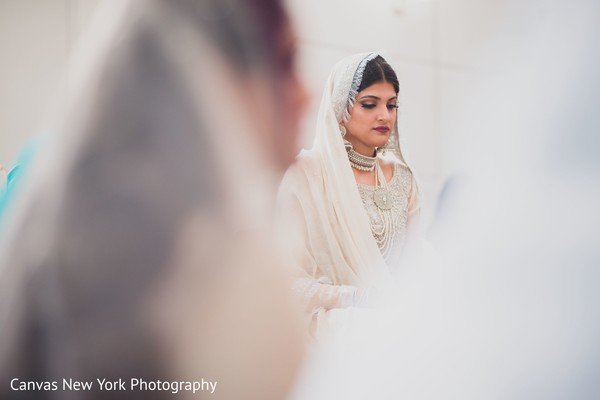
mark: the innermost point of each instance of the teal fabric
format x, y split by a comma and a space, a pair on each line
14, 176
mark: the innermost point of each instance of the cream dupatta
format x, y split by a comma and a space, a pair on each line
335, 251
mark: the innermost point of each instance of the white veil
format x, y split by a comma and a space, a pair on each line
320, 195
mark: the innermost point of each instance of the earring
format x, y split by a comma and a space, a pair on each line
389, 146
347, 144
343, 130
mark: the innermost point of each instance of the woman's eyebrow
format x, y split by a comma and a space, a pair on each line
377, 98
370, 96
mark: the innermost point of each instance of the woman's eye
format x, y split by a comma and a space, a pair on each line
392, 106
368, 105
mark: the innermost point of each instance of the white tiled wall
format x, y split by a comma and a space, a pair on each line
442, 49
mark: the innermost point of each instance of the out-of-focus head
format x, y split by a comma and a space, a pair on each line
257, 37
144, 208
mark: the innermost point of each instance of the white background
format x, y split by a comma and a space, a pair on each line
440, 48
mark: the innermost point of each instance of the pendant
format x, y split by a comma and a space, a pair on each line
383, 198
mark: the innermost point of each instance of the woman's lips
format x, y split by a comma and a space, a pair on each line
382, 129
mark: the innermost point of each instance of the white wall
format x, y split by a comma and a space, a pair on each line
442, 50
36, 37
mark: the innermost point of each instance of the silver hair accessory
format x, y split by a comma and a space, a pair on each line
356, 81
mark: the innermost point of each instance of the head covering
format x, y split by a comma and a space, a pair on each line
339, 97
135, 235
320, 195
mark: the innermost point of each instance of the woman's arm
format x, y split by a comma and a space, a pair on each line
311, 282
321, 294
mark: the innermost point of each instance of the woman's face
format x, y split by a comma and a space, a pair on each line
372, 118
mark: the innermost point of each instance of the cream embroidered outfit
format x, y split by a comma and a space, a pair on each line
345, 241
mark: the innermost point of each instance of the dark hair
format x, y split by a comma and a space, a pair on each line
247, 31
378, 70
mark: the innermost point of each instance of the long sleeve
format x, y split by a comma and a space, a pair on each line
315, 289
319, 293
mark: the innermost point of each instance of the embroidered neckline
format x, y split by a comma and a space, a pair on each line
395, 175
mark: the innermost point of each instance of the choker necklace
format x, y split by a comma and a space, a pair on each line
360, 162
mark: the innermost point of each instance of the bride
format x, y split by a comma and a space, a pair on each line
352, 197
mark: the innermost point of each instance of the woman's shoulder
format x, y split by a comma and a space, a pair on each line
306, 163
306, 157
304, 168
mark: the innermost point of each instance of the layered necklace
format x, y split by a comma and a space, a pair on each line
381, 196
360, 162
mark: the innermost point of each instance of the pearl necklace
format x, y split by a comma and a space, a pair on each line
382, 196
361, 162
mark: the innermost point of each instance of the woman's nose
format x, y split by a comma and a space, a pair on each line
384, 114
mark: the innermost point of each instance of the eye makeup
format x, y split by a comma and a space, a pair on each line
370, 106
